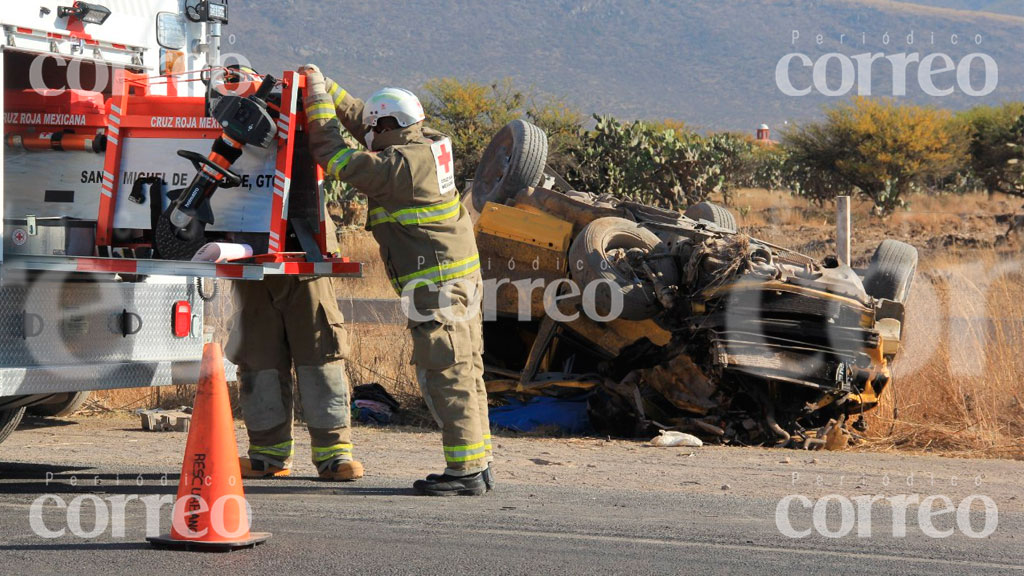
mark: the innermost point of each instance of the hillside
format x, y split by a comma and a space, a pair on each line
1012, 7
711, 64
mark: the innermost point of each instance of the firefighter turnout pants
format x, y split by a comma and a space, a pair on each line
448, 354
278, 321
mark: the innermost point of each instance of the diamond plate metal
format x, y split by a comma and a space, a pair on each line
73, 329
53, 380
15, 382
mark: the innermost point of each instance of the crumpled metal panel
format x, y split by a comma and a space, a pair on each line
682, 383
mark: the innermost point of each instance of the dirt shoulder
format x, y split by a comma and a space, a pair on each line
115, 444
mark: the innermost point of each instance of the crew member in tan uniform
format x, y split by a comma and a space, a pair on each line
429, 250
278, 321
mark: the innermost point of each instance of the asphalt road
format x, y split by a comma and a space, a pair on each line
565, 507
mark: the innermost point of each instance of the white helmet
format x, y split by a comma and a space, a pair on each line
401, 104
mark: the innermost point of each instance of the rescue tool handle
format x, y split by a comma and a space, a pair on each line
199, 161
266, 87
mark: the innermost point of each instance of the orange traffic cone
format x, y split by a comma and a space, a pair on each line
210, 512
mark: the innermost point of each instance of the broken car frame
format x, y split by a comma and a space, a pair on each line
719, 333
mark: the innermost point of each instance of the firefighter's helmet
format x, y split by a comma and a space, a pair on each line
398, 103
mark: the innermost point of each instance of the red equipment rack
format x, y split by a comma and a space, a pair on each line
135, 112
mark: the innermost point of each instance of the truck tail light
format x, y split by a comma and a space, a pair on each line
182, 318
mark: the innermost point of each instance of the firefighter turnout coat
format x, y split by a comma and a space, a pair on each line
428, 247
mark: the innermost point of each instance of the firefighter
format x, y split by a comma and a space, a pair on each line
429, 251
280, 321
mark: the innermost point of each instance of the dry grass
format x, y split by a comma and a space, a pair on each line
360, 246
959, 382
757, 207
381, 353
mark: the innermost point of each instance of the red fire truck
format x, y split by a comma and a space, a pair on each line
116, 114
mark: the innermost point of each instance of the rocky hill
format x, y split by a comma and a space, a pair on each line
711, 64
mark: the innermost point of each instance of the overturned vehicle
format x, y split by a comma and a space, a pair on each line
676, 321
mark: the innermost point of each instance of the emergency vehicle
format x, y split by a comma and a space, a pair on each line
109, 112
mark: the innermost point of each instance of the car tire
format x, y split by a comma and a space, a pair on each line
9, 420
67, 407
589, 261
890, 273
713, 213
514, 159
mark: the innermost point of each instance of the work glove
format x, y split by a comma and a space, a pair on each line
315, 83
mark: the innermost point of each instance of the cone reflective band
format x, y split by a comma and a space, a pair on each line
58, 141
210, 512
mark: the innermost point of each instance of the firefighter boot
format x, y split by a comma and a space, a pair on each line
487, 475
340, 470
256, 468
445, 485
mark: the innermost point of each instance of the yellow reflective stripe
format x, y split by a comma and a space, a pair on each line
316, 449
320, 111
427, 208
416, 215
469, 458
464, 447
437, 217
338, 93
464, 453
380, 219
327, 452
378, 215
338, 162
487, 441
429, 214
444, 272
282, 449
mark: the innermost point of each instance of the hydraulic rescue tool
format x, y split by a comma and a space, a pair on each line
245, 120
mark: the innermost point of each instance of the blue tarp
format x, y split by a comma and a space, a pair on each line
568, 415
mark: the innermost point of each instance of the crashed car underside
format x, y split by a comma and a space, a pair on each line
693, 325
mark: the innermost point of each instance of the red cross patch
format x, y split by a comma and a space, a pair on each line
19, 237
445, 166
445, 159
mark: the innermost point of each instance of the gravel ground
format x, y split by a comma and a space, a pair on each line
570, 505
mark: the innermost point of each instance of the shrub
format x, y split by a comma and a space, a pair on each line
997, 146
640, 162
768, 168
471, 114
879, 148
563, 125
734, 155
